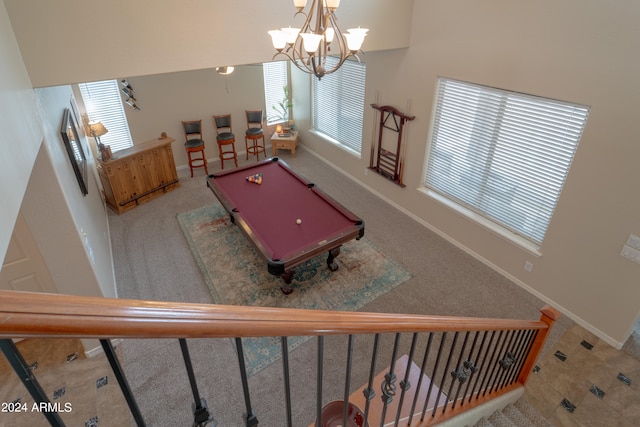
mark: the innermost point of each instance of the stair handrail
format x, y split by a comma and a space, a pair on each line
28, 314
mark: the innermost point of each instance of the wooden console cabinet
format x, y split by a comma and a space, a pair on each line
138, 174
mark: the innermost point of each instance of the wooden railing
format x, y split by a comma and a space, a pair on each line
487, 342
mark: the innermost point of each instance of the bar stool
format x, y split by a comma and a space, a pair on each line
254, 133
194, 144
226, 139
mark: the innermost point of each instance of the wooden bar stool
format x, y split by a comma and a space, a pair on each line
254, 133
194, 144
226, 139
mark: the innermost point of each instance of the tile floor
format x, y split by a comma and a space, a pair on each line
84, 388
583, 381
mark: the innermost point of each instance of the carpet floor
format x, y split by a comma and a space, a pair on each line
153, 261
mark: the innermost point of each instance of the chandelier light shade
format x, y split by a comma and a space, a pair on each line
308, 47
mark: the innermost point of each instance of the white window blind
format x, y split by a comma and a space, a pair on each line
275, 80
103, 103
501, 154
338, 103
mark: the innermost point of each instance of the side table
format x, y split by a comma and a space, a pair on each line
284, 142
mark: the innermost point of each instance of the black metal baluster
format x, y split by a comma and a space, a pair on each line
524, 342
21, 369
506, 362
522, 347
464, 369
530, 340
474, 369
251, 419
444, 375
433, 376
491, 360
495, 362
369, 392
388, 386
201, 415
122, 381
405, 384
516, 350
422, 375
319, 381
287, 384
347, 381
484, 362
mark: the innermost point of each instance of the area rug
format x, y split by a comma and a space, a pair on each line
237, 275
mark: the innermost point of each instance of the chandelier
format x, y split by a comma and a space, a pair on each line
319, 37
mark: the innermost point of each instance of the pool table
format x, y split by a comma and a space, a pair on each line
287, 219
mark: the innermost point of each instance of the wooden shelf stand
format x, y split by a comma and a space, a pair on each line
138, 174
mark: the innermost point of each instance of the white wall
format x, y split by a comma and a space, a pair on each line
577, 51
71, 229
167, 99
77, 41
37, 179
21, 134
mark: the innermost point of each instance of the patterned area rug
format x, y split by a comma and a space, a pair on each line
237, 275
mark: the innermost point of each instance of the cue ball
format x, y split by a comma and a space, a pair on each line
298, 221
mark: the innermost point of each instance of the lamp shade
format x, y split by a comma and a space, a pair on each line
355, 38
96, 129
291, 34
311, 41
278, 38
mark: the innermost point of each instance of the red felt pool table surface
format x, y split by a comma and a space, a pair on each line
267, 212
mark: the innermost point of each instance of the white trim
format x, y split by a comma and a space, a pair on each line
472, 416
603, 336
492, 226
343, 147
97, 351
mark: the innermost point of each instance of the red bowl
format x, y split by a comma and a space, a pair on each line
333, 412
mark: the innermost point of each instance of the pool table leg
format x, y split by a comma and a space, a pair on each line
333, 253
287, 276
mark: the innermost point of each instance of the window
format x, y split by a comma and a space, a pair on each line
338, 103
502, 155
275, 80
102, 101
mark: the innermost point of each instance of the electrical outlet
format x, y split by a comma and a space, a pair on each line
631, 253
366, 171
634, 242
528, 265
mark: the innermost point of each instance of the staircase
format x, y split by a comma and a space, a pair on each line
453, 365
518, 414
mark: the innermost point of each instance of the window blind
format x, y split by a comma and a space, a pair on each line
275, 80
338, 103
102, 102
501, 154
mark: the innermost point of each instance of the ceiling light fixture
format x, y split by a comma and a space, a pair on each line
309, 46
225, 71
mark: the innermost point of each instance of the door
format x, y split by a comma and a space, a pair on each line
23, 268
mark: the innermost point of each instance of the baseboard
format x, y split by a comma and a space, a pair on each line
472, 416
586, 325
98, 350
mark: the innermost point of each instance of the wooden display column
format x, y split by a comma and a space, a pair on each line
138, 174
389, 161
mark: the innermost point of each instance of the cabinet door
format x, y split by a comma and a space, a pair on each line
167, 164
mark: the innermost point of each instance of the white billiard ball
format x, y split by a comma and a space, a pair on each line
298, 221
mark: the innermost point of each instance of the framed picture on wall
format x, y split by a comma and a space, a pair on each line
73, 145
